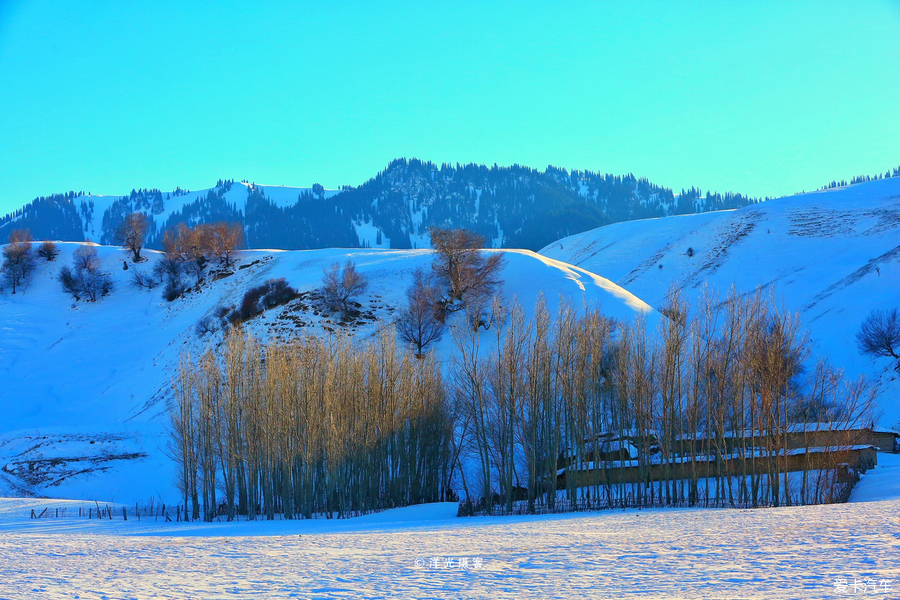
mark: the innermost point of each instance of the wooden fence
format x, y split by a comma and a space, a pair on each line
164, 513
160, 512
841, 494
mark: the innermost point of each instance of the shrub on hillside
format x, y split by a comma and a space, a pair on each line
171, 273
175, 288
273, 292
219, 319
341, 286
85, 280
140, 279
48, 251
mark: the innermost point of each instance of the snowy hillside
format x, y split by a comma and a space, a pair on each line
84, 385
833, 256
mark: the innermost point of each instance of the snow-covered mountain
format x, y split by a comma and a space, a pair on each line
512, 207
832, 256
83, 386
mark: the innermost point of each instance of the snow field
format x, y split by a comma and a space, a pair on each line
714, 553
795, 552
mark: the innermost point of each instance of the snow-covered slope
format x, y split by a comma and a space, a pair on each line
833, 256
83, 386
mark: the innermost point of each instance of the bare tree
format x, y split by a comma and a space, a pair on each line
341, 286
130, 233
417, 323
84, 279
170, 271
18, 260
187, 246
879, 334
463, 267
221, 240
183, 441
183, 243
85, 258
48, 251
142, 280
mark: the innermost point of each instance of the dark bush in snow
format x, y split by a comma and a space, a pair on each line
140, 279
175, 287
222, 312
205, 325
218, 320
272, 293
48, 251
171, 272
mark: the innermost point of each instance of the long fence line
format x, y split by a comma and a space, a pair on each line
566, 505
106, 512
589, 505
170, 514
162, 513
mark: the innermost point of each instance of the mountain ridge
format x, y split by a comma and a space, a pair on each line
512, 207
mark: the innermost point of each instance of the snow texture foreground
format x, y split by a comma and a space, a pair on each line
796, 552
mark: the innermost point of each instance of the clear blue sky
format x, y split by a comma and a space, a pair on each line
757, 97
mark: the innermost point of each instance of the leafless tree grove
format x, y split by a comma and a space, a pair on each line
311, 426
706, 410
190, 251
679, 409
222, 240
